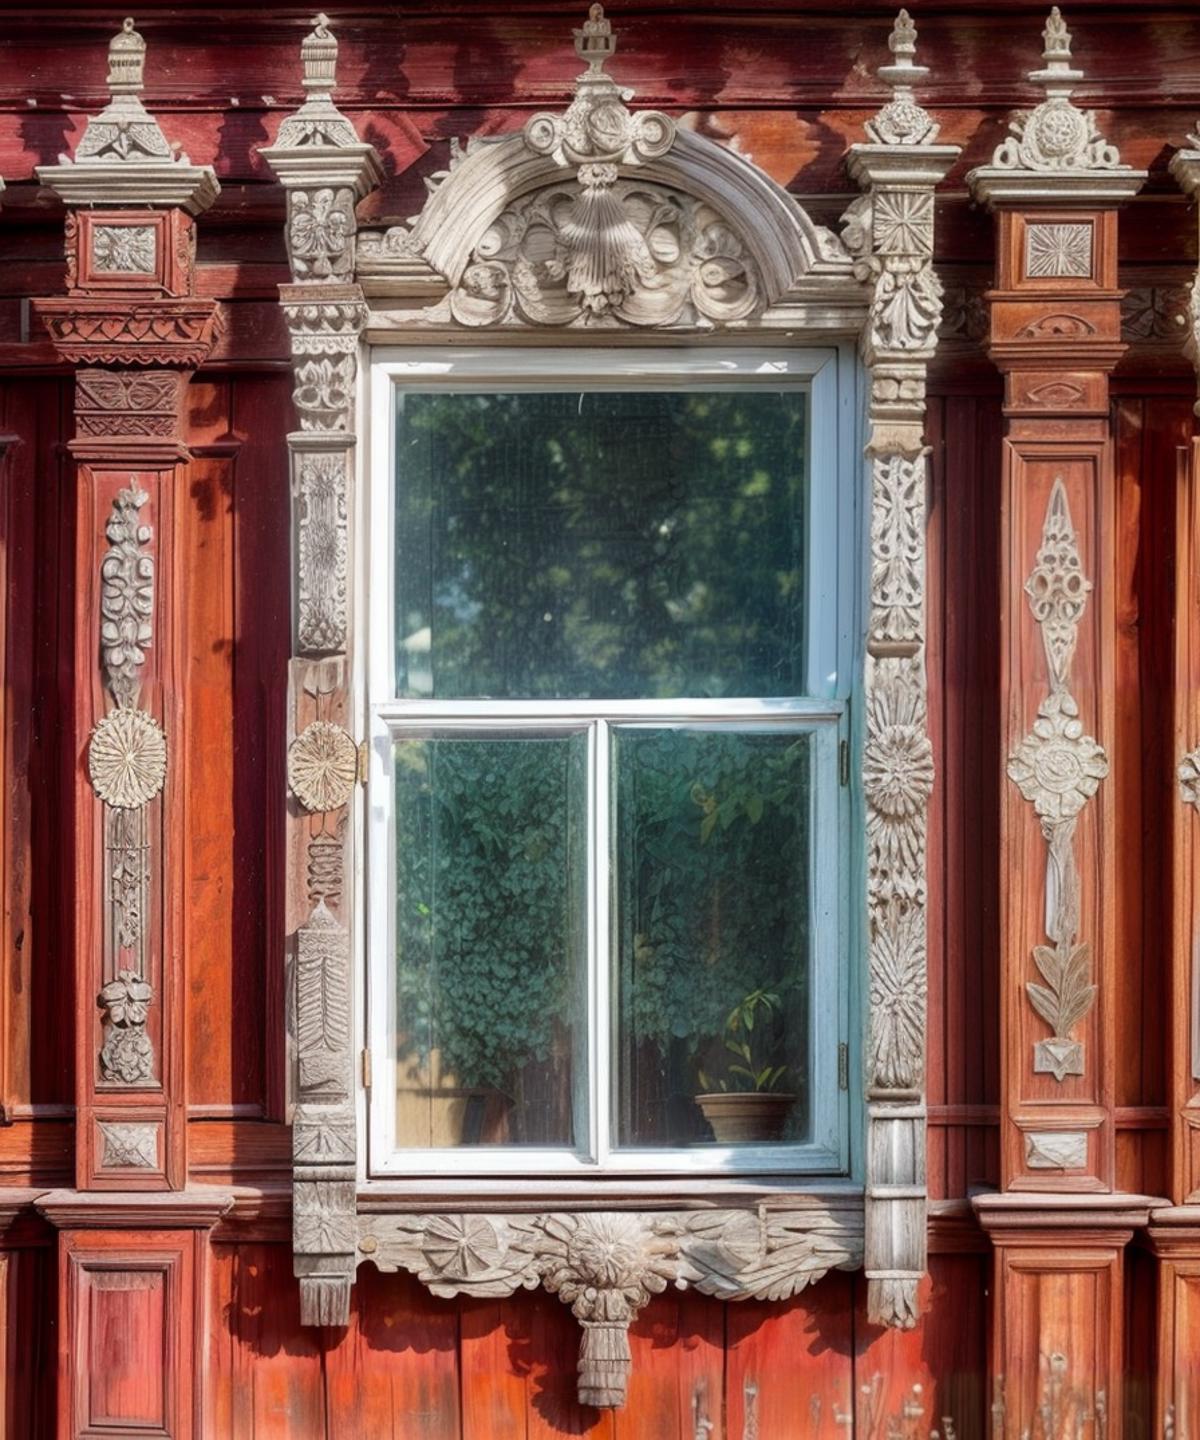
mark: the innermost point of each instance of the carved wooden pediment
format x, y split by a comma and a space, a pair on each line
606, 216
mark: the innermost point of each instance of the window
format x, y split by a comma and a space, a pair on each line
610, 666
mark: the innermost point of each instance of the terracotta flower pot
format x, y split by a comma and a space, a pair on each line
742, 1117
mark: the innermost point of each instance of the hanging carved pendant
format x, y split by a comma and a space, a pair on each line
1058, 768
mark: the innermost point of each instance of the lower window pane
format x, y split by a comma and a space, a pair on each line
491, 945
711, 861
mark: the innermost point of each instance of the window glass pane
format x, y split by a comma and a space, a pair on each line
713, 959
600, 544
491, 946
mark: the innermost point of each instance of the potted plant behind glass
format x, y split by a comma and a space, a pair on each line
747, 1104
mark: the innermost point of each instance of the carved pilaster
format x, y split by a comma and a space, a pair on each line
1055, 184
325, 170
132, 328
890, 231
1060, 1230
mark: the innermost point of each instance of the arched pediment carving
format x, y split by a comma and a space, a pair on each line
604, 215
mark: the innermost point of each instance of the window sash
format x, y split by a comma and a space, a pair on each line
825, 1151
832, 602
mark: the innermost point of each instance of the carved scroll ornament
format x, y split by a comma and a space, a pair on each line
606, 1265
1058, 768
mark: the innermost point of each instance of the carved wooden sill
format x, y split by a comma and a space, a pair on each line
607, 1263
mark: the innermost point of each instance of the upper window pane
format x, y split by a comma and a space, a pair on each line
601, 544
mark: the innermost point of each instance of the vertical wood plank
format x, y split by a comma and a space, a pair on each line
789, 1365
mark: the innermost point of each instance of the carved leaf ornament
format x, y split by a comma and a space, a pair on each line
1058, 768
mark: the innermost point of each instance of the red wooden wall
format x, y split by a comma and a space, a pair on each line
791, 84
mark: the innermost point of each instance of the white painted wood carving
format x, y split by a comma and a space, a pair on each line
1058, 767
611, 219
889, 231
1056, 153
607, 1264
325, 169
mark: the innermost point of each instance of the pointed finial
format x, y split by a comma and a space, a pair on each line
318, 53
902, 42
126, 60
902, 121
1057, 37
1056, 77
595, 42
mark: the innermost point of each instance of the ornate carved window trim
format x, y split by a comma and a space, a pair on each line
653, 232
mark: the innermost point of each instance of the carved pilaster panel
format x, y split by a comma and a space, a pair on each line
1056, 335
889, 231
1185, 840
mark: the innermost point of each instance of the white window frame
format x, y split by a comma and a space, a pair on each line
831, 375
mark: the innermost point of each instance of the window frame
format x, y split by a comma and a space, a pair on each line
831, 374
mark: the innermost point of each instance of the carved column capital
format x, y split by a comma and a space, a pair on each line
889, 231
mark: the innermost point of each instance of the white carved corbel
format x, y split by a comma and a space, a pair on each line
325, 170
890, 232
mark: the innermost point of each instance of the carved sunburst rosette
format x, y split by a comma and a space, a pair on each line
322, 766
127, 758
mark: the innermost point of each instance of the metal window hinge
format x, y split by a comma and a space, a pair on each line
364, 762
843, 1066
366, 1069
844, 761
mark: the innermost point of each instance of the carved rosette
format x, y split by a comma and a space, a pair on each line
1058, 768
889, 231
606, 1265
325, 169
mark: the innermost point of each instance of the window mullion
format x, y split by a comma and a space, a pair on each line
600, 946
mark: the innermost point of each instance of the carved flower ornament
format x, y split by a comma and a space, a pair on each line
898, 768
1058, 768
322, 766
460, 1247
127, 758
606, 1266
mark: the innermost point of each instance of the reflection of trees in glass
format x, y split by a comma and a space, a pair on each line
714, 905
491, 905
601, 544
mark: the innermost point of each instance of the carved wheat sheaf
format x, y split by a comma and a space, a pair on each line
323, 1004
1058, 768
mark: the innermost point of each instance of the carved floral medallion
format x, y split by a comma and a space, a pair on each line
322, 766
